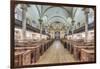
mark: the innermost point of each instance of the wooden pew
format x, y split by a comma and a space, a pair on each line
37, 48
22, 58
34, 48
77, 51
74, 47
73, 43
45, 45
87, 55
64, 42
69, 44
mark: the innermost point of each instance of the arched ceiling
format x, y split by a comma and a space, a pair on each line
57, 18
50, 15
57, 26
55, 10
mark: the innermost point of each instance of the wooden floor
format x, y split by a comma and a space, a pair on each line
56, 54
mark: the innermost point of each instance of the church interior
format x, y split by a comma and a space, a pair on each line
47, 34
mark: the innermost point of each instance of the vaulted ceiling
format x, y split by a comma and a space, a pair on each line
56, 17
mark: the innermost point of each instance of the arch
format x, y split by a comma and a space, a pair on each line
56, 7
74, 12
56, 16
59, 23
38, 9
60, 18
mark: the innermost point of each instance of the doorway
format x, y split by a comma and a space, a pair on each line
57, 35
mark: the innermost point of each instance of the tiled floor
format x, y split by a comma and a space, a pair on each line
56, 54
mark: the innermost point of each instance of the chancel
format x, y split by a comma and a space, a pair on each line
47, 34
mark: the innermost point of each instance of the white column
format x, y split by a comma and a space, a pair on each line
24, 10
86, 11
40, 20
67, 32
73, 27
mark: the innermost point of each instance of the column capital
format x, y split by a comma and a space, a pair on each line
25, 6
86, 10
73, 21
40, 20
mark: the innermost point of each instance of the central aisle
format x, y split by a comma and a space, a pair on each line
56, 54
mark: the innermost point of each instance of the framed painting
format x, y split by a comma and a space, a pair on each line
52, 34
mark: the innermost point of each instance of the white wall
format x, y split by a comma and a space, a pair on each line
29, 35
82, 35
